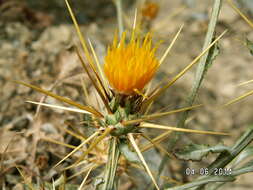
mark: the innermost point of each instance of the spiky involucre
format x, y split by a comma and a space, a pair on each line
130, 66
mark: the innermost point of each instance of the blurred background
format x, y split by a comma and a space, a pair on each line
36, 40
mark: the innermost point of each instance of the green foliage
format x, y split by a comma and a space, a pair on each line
213, 53
195, 152
128, 154
249, 45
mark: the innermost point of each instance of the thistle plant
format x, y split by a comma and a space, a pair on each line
122, 85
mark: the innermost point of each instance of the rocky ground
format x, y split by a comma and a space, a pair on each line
36, 46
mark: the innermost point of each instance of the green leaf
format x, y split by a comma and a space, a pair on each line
212, 54
249, 45
206, 180
129, 155
196, 152
247, 168
248, 152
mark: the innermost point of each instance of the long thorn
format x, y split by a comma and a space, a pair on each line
27, 182
137, 150
135, 19
246, 82
85, 91
86, 167
72, 133
239, 98
158, 115
105, 101
58, 142
77, 148
171, 45
101, 73
170, 83
84, 180
157, 139
83, 42
60, 107
93, 144
164, 127
158, 146
63, 99
240, 13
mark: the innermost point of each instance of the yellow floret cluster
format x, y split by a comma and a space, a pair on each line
130, 66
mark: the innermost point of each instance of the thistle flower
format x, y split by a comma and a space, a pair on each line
130, 66
150, 10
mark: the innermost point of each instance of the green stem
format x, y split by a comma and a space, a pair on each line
222, 160
211, 179
200, 73
203, 62
111, 165
226, 157
118, 5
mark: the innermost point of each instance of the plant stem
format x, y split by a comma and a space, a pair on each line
226, 157
200, 73
111, 165
222, 160
118, 5
203, 62
210, 179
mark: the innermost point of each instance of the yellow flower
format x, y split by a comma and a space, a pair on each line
130, 66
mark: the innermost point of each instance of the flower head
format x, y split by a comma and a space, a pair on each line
130, 66
150, 10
